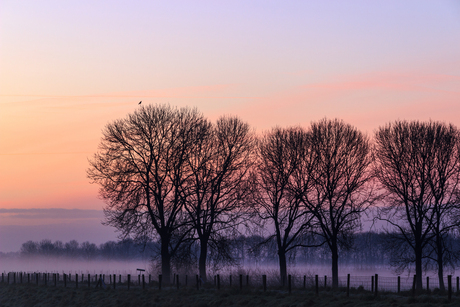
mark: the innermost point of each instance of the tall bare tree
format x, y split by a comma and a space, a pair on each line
341, 184
220, 166
141, 167
444, 179
279, 173
418, 165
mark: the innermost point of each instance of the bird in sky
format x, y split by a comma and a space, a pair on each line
140, 102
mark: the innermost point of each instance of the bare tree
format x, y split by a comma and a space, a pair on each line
283, 158
220, 165
438, 175
443, 178
418, 165
341, 184
141, 167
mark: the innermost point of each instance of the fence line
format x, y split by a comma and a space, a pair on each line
294, 282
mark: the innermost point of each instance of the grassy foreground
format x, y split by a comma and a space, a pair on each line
27, 295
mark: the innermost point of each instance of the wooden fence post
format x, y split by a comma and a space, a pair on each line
177, 281
46, 278
129, 280
218, 282
264, 282
325, 282
241, 282
247, 281
304, 282
348, 285
230, 280
114, 281
76, 280
160, 279
376, 284
413, 285
65, 280
399, 284
428, 283
449, 286
89, 280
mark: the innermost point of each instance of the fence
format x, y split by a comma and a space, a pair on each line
294, 282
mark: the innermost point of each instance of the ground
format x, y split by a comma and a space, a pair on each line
32, 295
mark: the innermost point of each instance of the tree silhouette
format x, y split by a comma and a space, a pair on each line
340, 190
141, 167
418, 165
217, 188
283, 153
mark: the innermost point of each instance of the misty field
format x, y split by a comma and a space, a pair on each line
32, 295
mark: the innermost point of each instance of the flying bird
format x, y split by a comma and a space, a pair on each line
140, 102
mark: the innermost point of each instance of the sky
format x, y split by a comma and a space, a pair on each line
67, 68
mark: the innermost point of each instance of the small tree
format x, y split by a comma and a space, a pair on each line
142, 171
418, 165
217, 188
340, 190
282, 156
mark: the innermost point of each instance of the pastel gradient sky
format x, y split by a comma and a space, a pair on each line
67, 68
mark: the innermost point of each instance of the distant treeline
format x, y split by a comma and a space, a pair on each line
368, 249
121, 250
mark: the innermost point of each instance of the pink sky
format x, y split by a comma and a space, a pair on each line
68, 68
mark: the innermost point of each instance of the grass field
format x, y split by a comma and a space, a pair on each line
31, 295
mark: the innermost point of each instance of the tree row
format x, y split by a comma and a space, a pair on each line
171, 175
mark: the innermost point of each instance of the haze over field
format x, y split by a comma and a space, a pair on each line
67, 69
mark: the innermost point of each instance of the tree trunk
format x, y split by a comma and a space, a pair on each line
441, 277
418, 266
440, 263
165, 262
335, 264
283, 269
203, 257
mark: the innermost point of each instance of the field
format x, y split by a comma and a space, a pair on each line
32, 295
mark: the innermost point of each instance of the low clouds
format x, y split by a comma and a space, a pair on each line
58, 214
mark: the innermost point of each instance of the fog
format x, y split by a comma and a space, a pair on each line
66, 265
124, 267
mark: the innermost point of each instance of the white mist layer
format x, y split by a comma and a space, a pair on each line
66, 265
